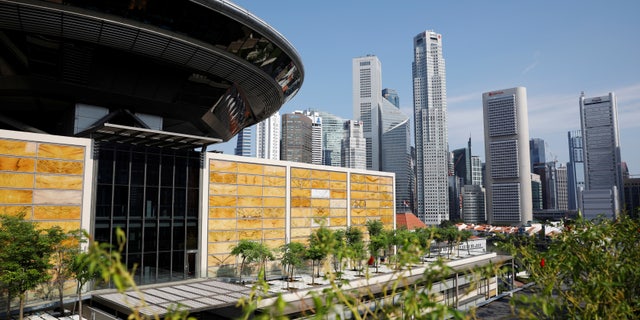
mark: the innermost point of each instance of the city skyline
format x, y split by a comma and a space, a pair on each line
555, 61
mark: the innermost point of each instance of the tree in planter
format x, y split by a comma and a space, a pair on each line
465, 235
262, 254
339, 251
355, 247
320, 245
246, 249
376, 244
425, 238
25, 253
66, 247
292, 258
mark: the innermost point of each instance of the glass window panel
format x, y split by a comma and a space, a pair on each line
134, 237
181, 172
103, 201
164, 236
120, 201
151, 202
153, 169
192, 235
166, 178
178, 235
178, 264
122, 167
180, 202
136, 202
164, 266
137, 169
105, 166
150, 236
148, 268
192, 203
194, 172
133, 265
166, 197
103, 232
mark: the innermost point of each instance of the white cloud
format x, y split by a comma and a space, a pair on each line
536, 56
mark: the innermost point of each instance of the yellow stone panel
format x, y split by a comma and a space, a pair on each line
223, 189
358, 187
300, 222
338, 176
274, 212
359, 221
56, 213
338, 212
388, 188
218, 248
320, 174
274, 202
250, 234
56, 151
338, 194
387, 212
300, 212
357, 178
222, 201
372, 179
58, 182
249, 201
222, 213
339, 222
222, 224
249, 213
249, 223
300, 232
320, 212
275, 171
373, 204
320, 184
16, 196
251, 168
386, 180
300, 202
255, 191
16, 180
300, 183
274, 181
359, 195
372, 187
386, 196
59, 166
316, 203
17, 148
17, 210
375, 212
274, 243
358, 212
218, 260
273, 223
222, 236
222, 177
249, 179
274, 192
274, 233
357, 204
387, 220
66, 226
296, 192
300, 173
223, 166
338, 185
386, 204
17, 164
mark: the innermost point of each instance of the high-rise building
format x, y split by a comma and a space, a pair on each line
430, 119
243, 143
561, 188
354, 153
537, 153
601, 148
473, 206
395, 146
476, 171
295, 143
316, 136
506, 136
268, 138
392, 96
462, 163
332, 135
632, 196
536, 192
367, 97
575, 168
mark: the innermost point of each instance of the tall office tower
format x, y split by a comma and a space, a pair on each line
537, 152
476, 171
506, 136
462, 163
367, 97
354, 152
243, 143
473, 207
561, 188
392, 96
632, 196
295, 144
536, 192
601, 148
549, 180
395, 146
332, 135
316, 136
430, 119
575, 168
268, 138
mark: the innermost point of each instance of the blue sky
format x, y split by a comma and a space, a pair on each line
556, 49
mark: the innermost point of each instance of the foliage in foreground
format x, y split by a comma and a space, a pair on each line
590, 271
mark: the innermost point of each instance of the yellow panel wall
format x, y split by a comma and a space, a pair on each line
42, 180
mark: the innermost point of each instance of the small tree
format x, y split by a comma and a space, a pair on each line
320, 245
66, 246
376, 244
292, 258
246, 250
262, 253
339, 250
355, 247
25, 253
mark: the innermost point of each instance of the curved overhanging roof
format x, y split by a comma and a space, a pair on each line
257, 85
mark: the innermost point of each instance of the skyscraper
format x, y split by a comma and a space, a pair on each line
268, 138
575, 168
430, 118
392, 96
476, 171
332, 135
601, 148
295, 144
561, 188
243, 143
354, 153
506, 136
395, 145
367, 96
473, 207
316, 136
537, 152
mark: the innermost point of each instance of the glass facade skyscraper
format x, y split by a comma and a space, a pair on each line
243, 143
575, 168
431, 137
396, 151
332, 135
268, 138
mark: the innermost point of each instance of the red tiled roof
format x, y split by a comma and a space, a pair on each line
408, 220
